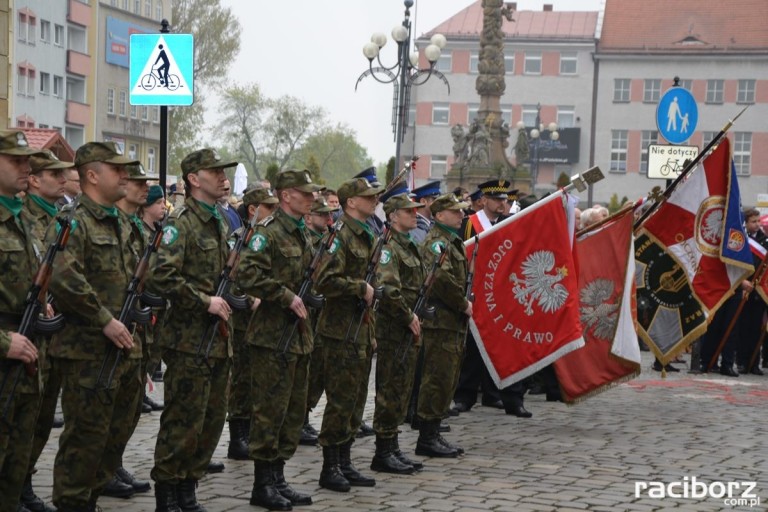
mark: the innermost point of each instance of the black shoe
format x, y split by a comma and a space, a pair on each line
214, 467
460, 407
728, 371
350, 472
285, 490
30, 501
165, 498
239, 435
417, 464
145, 408
365, 431
741, 368
117, 489
450, 445
331, 477
496, 404
429, 445
58, 422
187, 498
264, 494
453, 412
128, 479
756, 371
668, 367
309, 428
519, 411
307, 437
154, 405
385, 460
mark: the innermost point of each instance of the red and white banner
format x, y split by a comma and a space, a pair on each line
759, 252
526, 310
611, 354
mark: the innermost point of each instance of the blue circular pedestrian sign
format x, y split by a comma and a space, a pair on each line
677, 115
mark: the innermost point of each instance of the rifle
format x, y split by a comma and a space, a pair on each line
400, 176
306, 295
370, 274
36, 300
225, 281
420, 308
129, 313
470, 277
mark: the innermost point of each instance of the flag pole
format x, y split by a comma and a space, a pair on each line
686, 170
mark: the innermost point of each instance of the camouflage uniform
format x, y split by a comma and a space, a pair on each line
89, 288
19, 251
192, 255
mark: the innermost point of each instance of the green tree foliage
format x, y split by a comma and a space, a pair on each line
313, 166
390, 171
563, 180
613, 204
289, 123
339, 155
271, 174
243, 107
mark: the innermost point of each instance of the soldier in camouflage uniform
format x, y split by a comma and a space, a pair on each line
18, 264
342, 280
47, 184
272, 269
320, 217
193, 253
88, 287
400, 273
260, 202
444, 334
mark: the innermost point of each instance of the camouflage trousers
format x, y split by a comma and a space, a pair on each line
316, 375
443, 351
394, 380
279, 399
16, 437
50, 398
346, 389
239, 403
97, 426
193, 418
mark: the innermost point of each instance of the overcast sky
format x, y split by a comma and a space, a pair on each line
312, 49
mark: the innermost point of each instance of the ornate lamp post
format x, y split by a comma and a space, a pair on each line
538, 140
404, 73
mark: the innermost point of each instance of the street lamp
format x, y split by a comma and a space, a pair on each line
404, 73
539, 140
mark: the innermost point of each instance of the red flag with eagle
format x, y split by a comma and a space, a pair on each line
611, 354
526, 309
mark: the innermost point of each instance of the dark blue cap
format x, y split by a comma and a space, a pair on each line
370, 175
432, 188
400, 188
477, 194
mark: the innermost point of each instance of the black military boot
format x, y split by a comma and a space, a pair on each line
238, 439
285, 490
165, 498
331, 476
264, 494
429, 443
308, 433
385, 461
449, 445
185, 496
30, 500
355, 478
417, 464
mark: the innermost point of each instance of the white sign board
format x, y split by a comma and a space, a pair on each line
666, 162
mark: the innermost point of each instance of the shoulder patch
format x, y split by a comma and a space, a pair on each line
334, 246
386, 256
437, 247
266, 221
177, 212
170, 234
258, 242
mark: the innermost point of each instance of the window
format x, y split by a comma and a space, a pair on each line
132, 151
125, 4
412, 115
45, 83
444, 62
45, 31
121, 103
529, 115
706, 138
621, 90
134, 111
714, 91
159, 10
440, 113
43, 126
145, 113
155, 114
148, 8
474, 61
532, 63
509, 64
26, 81
113, 3
58, 35
111, 101
742, 152
647, 137
472, 109
651, 90
151, 159
137, 6
58, 86
746, 91
568, 63
618, 150
566, 116
687, 84
438, 167
27, 28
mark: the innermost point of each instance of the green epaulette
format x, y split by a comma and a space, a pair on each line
266, 221
177, 212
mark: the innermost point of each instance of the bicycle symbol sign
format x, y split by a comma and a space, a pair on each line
668, 161
161, 69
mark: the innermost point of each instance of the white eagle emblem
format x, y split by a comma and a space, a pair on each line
536, 286
597, 313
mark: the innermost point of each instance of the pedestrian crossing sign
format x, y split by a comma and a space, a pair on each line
161, 69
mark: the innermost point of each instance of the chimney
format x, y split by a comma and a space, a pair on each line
547, 7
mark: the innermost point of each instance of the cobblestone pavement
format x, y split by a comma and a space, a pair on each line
585, 457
